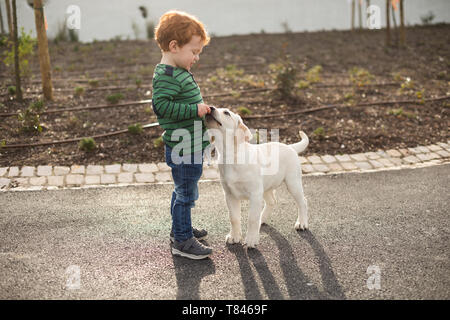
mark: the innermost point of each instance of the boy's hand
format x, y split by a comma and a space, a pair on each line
203, 109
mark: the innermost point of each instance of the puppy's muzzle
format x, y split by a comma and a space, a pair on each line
210, 116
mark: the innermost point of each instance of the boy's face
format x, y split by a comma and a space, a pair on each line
186, 56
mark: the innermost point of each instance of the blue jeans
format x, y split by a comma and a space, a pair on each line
185, 177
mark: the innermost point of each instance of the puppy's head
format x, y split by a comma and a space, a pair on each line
226, 122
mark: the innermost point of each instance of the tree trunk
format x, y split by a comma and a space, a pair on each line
2, 28
402, 24
395, 25
360, 14
9, 19
353, 15
44, 57
388, 23
16, 53
367, 13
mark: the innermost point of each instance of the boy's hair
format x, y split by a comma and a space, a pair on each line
179, 26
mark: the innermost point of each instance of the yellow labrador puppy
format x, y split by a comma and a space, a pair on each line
253, 172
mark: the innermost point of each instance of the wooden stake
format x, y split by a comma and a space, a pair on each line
360, 14
2, 28
388, 23
353, 14
44, 57
9, 19
16, 53
402, 24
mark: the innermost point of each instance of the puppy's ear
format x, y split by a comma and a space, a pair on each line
245, 131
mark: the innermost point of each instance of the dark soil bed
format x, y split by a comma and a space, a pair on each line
232, 65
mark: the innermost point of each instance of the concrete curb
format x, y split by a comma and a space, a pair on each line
46, 177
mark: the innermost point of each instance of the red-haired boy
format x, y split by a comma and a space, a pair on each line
179, 106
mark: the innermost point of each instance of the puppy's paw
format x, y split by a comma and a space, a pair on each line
301, 225
252, 241
231, 239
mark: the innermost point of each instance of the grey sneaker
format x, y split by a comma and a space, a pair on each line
199, 234
191, 248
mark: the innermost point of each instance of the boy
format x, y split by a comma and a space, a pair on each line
179, 106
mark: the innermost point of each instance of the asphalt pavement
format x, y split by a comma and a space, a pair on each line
380, 235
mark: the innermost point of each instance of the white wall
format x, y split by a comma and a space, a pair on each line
105, 19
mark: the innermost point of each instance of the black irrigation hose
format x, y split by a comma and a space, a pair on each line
150, 125
11, 114
335, 106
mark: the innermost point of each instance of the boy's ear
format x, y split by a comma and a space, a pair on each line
173, 45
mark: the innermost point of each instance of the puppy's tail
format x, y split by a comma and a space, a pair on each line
301, 146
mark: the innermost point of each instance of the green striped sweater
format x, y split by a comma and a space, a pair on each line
174, 100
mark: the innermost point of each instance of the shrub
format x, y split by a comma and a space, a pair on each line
303, 84
93, 83
114, 98
158, 142
79, 91
407, 84
138, 82
29, 118
12, 90
135, 128
87, 144
360, 77
313, 74
243, 111
396, 112
26, 51
319, 132
284, 75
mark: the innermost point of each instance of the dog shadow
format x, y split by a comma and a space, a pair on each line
189, 274
298, 285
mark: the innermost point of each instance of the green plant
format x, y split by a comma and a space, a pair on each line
12, 90
87, 144
360, 77
29, 118
26, 51
320, 132
407, 84
284, 75
2, 143
138, 82
442, 75
93, 83
114, 98
421, 96
79, 91
397, 77
396, 112
135, 128
243, 111
313, 74
303, 84
230, 72
158, 142
427, 18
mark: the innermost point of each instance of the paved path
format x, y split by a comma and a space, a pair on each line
47, 177
388, 231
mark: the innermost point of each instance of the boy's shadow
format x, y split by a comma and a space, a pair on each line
298, 285
189, 274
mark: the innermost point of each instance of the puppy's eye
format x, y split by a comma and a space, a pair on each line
227, 113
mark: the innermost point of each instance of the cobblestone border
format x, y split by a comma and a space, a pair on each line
76, 176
